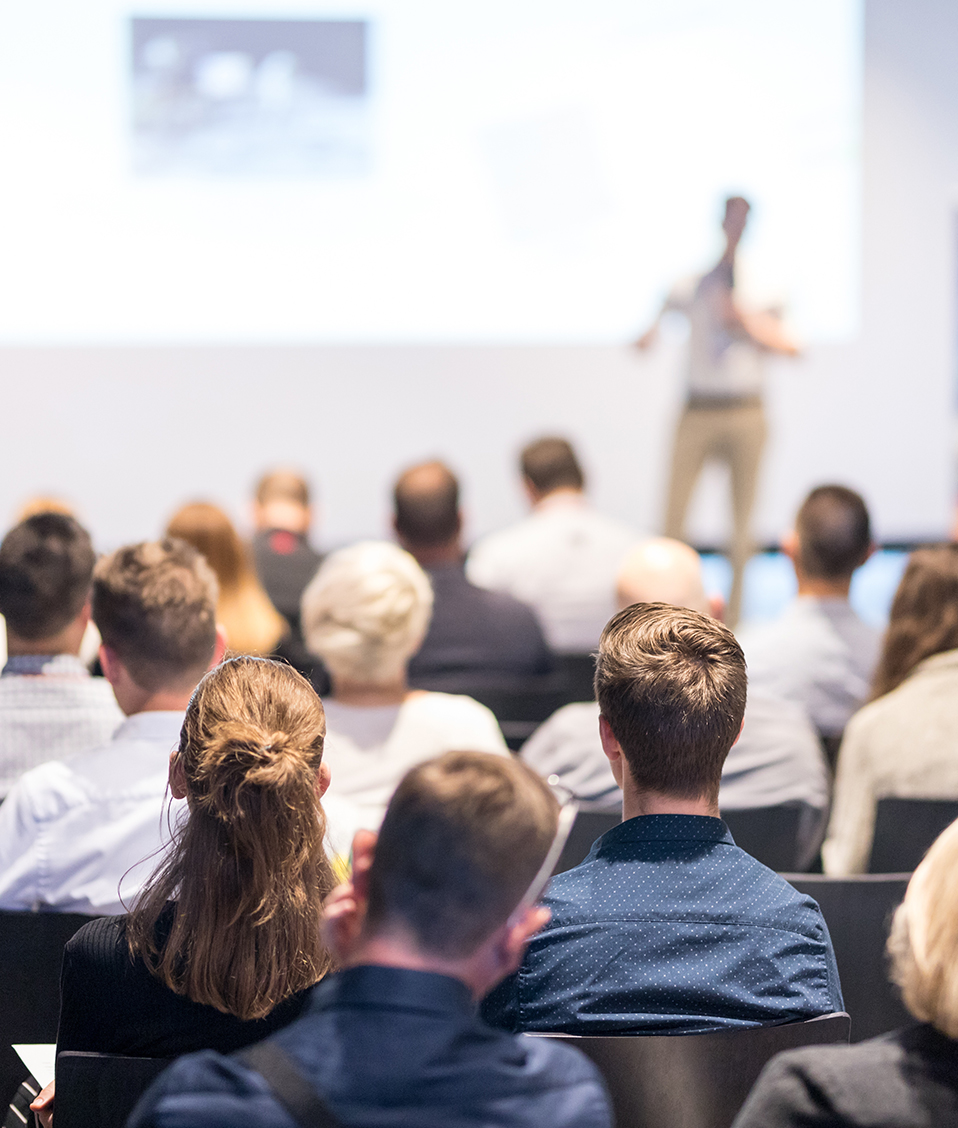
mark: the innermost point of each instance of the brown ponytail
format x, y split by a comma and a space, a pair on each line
247, 871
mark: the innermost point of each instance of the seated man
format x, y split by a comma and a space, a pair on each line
562, 558
819, 653
49, 704
477, 639
668, 925
776, 761
71, 829
285, 560
438, 911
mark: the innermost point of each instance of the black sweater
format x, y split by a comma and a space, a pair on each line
110, 1003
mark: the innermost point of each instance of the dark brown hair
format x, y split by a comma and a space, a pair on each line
426, 502
247, 871
551, 464
924, 616
834, 533
671, 683
463, 838
154, 604
46, 565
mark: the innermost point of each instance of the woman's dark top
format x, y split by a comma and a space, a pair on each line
908, 1079
110, 1003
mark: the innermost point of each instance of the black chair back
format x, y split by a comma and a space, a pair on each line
578, 671
588, 826
100, 1090
858, 913
904, 829
694, 1080
769, 834
31, 951
521, 709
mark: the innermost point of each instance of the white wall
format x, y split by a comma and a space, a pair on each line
129, 433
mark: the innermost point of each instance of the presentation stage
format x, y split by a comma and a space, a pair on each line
420, 171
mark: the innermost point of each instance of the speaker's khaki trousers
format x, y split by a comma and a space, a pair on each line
734, 434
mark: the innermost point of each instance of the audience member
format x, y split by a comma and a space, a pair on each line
224, 939
365, 614
252, 623
561, 559
776, 761
819, 653
908, 1079
477, 639
902, 744
667, 925
71, 829
438, 911
49, 704
285, 560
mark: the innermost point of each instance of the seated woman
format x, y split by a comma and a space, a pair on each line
223, 942
902, 744
252, 623
365, 613
904, 1080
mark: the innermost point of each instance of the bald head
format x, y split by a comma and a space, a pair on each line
426, 500
662, 570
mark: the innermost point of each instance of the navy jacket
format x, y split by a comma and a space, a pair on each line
390, 1047
477, 639
668, 927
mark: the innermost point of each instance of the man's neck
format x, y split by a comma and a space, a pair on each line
67, 642
437, 555
369, 696
636, 802
562, 494
824, 589
388, 951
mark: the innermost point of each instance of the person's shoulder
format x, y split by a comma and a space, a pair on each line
557, 1066
212, 1089
100, 938
577, 721
48, 791
871, 1083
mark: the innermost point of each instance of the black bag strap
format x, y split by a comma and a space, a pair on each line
289, 1086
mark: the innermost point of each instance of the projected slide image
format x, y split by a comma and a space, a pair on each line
249, 97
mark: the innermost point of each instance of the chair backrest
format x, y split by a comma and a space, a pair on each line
100, 1090
770, 834
904, 829
578, 671
31, 952
858, 913
588, 826
521, 709
694, 1080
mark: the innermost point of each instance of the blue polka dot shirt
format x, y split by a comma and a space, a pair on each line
668, 927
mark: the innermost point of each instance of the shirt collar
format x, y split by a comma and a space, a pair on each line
156, 726
665, 828
371, 985
49, 665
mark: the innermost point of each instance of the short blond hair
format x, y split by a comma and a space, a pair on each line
366, 611
924, 938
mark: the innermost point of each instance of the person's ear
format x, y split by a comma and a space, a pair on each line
86, 613
612, 749
110, 663
516, 934
717, 607
219, 647
789, 545
322, 779
364, 850
177, 776
741, 729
